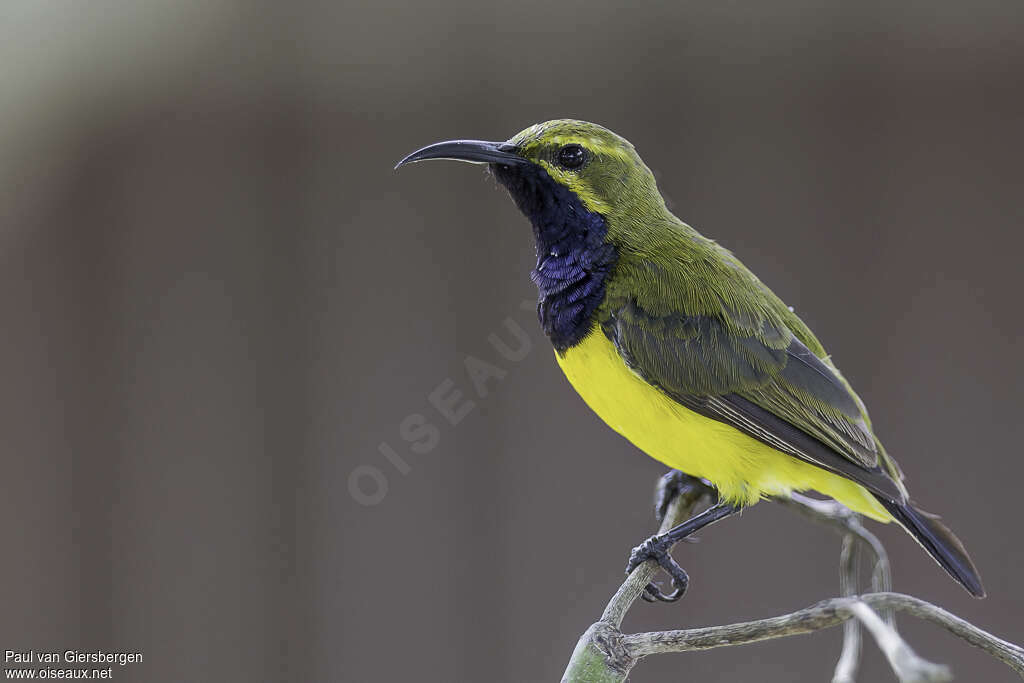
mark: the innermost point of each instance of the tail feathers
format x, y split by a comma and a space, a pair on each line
941, 544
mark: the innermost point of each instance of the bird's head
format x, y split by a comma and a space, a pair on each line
555, 164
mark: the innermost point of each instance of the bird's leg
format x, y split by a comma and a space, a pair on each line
657, 548
676, 483
671, 485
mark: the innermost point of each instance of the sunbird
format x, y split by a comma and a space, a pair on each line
682, 350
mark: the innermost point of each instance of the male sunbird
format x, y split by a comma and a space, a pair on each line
682, 350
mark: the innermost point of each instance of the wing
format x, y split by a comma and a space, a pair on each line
749, 370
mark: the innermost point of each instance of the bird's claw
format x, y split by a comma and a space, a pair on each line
656, 548
673, 484
669, 486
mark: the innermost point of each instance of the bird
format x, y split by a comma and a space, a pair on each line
681, 349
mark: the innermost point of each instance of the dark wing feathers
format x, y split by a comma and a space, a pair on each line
753, 373
805, 369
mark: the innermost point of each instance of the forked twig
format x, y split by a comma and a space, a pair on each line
605, 655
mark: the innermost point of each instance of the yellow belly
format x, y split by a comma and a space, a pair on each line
741, 467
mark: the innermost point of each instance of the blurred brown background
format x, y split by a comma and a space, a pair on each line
219, 300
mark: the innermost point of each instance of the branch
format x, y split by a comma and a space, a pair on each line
849, 658
907, 665
830, 613
856, 540
1008, 653
605, 655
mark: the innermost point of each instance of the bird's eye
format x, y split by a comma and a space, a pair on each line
572, 156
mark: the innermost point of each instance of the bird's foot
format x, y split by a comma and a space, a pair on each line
675, 483
656, 548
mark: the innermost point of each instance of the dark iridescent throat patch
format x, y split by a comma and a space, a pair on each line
573, 259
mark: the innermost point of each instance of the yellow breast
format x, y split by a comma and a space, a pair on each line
741, 467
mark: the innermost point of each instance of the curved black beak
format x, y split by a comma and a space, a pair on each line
473, 151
